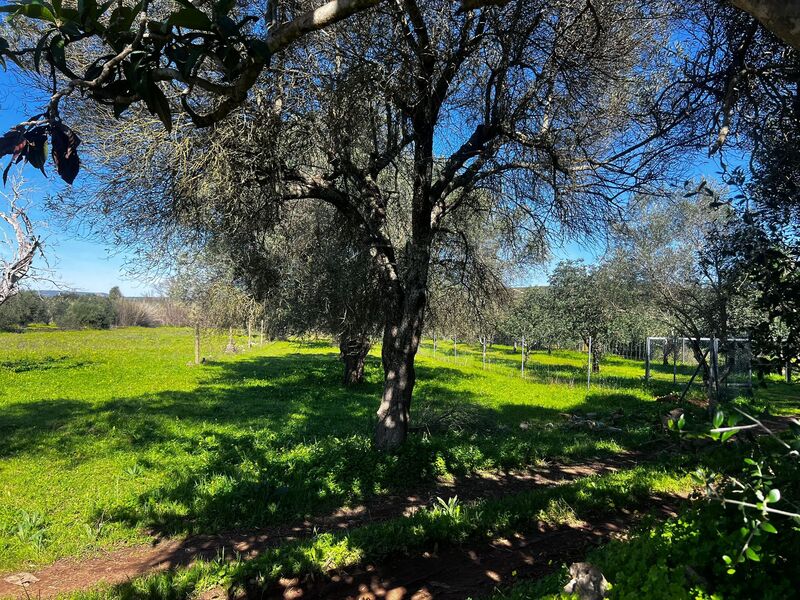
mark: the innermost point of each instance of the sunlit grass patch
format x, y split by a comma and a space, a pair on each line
118, 433
447, 522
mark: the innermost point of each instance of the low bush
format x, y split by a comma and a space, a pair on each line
131, 313
94, 312
23, 309
742, 540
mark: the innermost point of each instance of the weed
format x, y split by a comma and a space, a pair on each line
31, 528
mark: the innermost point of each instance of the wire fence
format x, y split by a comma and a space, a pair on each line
560, 365
660, 364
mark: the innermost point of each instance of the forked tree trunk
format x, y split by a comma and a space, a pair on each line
353, 352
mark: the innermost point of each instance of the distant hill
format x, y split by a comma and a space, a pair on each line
53, 293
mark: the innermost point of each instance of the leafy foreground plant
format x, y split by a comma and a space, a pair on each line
448, 522
742, 542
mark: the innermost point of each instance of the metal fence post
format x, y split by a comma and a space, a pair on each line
674, 361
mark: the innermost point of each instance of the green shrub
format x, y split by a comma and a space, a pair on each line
23, 309
92, 312
740, 541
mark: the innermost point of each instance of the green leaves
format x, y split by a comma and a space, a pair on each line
191, 18
158, 104
773, 496
12, 142
58, 51
15, 143
5, 53
139, 75
32, 9
31, 146
37, 147
177, 41
768, 527
752, 554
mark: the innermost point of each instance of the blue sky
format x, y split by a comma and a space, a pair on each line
75, 261
83, 264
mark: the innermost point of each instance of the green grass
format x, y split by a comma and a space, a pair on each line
107, 434
445, 524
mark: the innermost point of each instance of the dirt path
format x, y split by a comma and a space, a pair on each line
469, 571
68, 575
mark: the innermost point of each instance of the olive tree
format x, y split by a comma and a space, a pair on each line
413, 122
205, 286
534, 316
677, 246
589, 301
309, 275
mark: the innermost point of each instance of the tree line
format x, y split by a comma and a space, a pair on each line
431, 141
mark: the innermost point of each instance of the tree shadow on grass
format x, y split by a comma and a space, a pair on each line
44, 363
265, 440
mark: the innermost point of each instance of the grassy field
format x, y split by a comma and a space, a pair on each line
108, 435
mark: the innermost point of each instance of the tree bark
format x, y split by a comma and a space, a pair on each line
401, 338
781, 17
231, 347
596, 353
399, 348
353, 352
197, 343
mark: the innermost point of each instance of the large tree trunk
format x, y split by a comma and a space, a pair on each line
399, 348
596, 353
401, 338
353, 352
404, 322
